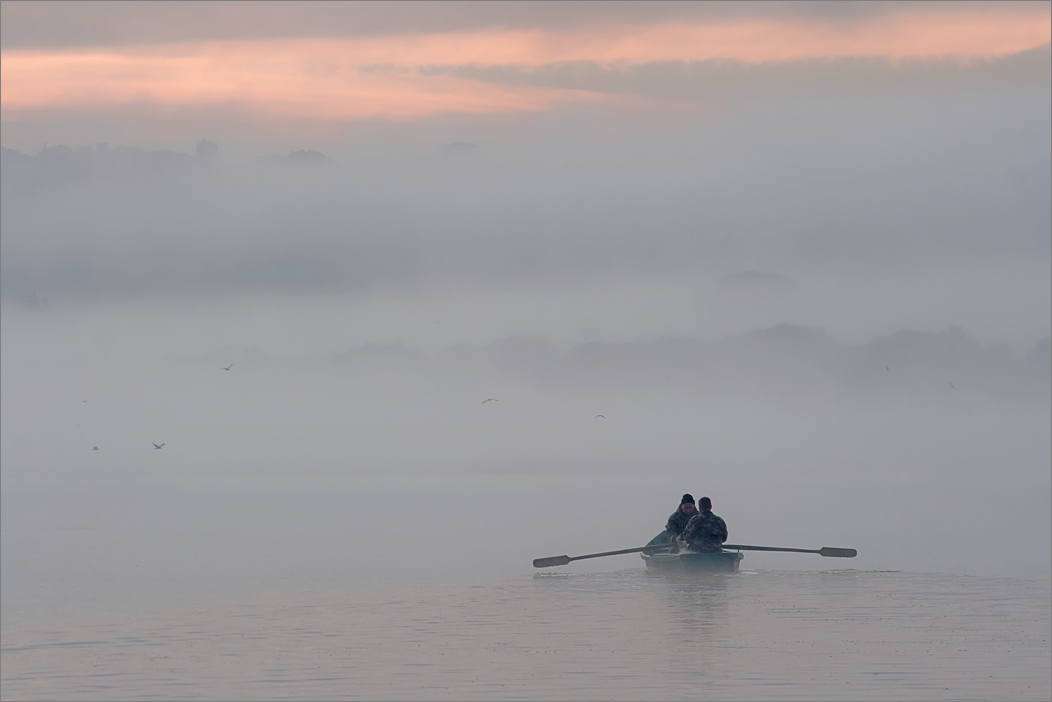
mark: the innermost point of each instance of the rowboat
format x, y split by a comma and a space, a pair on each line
687, 561
657, 557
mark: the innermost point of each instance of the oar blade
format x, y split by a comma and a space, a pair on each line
830, 552
551, 561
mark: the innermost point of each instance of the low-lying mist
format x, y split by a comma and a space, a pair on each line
283, 466
784, 398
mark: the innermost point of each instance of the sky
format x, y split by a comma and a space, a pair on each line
328, 64
782, 244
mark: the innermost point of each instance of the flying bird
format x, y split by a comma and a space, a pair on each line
228, 367
160, 446
598, 416
490, 399
953, 386
887, 368
83, 400
94, 448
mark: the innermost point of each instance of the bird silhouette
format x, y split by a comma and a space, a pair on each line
94, 448
489, 399
229, 367
598, 416
953, 386
156, 446
887, 368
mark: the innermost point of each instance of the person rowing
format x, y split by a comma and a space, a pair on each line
705, 532
677, 522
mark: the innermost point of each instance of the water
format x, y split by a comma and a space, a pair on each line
622, 634
417, 587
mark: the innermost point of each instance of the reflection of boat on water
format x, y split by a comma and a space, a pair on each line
690, 562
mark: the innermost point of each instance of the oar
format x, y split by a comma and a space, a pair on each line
827, 551
563, 560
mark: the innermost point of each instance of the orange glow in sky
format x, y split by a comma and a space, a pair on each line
380, 76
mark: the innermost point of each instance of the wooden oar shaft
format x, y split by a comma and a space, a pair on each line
615, 553
825, 551
563, 560
742, 547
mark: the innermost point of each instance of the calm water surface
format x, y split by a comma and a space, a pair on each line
625, 634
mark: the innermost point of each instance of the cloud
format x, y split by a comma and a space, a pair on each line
716, 81
77, 24
494, 70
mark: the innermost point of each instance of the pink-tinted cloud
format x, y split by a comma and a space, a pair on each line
380, 76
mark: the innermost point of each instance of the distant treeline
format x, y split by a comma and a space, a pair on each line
57, 164
784, 361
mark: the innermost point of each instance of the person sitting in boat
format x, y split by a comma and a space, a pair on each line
705, 532
677, 521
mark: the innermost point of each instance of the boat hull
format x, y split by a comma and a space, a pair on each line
720, 562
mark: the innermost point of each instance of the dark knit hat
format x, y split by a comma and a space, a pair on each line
687, 498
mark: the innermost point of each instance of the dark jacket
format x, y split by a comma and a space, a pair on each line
705, 532
677, 522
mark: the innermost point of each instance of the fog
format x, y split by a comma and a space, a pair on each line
817, 291
914, 201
